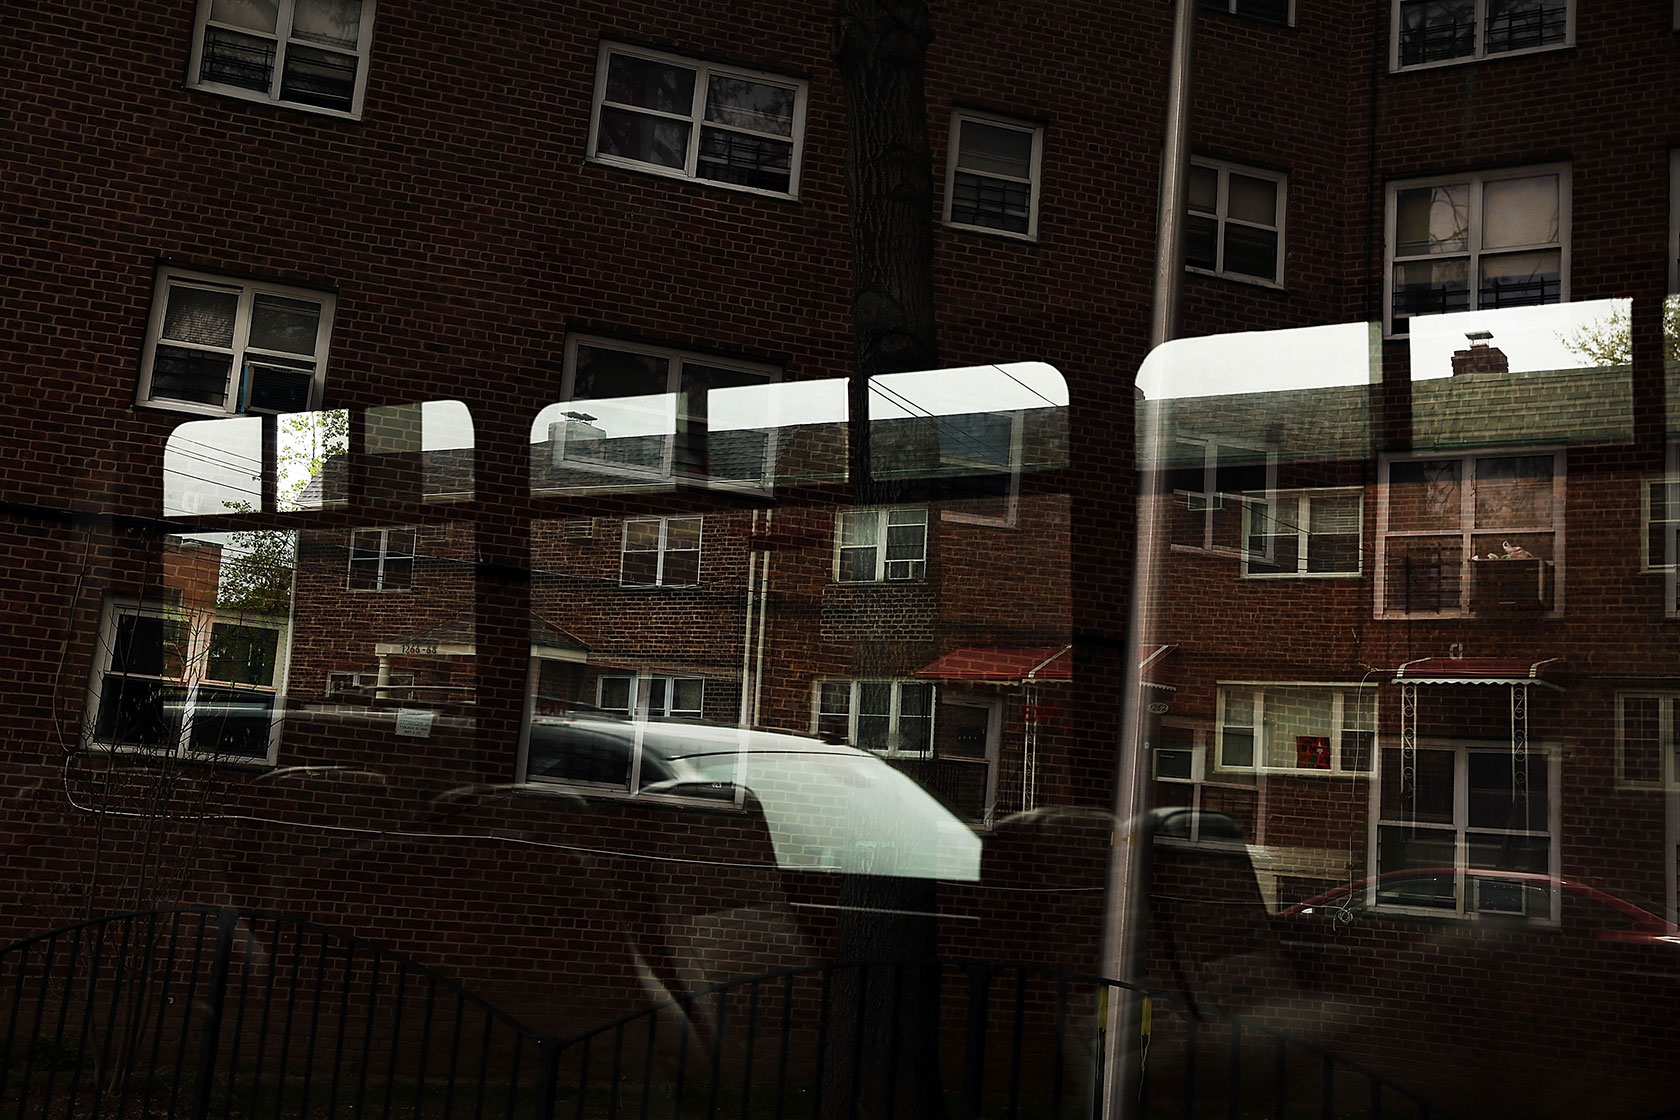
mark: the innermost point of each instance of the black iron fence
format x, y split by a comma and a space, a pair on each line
226, 1013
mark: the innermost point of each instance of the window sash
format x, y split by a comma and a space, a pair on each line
1221, 223
1245, 729
297, 69
890, 717
880, 545
700, 122
1469, 30
382, 559
186, 711
984, 197
651, 696
1646, 723
1459, 535
1281, 541
672, 565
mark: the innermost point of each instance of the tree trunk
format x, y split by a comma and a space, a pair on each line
884, 1022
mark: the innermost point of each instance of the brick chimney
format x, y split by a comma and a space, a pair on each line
1480, 358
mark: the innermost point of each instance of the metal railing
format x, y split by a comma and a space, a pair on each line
201, 1012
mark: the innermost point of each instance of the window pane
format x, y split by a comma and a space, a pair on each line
857, 565
236, 60
875, 698
1521, 279
1402, 848
1431, 30
1424, 494
1248, 199
1507, 791
915, 700
333, 22
139, 713
859, 529
603, 372
747, 161
754, 105
640, 569
1514, 25
190, 375
287, 325
242, 654
1201, 243
198, 316
991, 203
682, 568
1429, 288
906, 542
1251, 252
1432, 220
641, 536
1204, 189
1429, 797
1514, 492
637, 136
1297, 728
149, 646
682, 533
687, 694
650, 85
1237, 747
1641, 746
316, 77
253, 15
1520, 212
995, 150
231, 722
615, 693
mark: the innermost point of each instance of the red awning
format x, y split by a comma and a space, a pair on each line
1002, 665
1480, 670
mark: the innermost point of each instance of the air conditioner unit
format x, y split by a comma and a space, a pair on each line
267, 387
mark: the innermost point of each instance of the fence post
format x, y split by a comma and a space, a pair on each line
210, 1032
548, 1077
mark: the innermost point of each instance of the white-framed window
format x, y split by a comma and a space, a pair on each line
660, 552
651, 696
689, 119
1661, 516
1235, 228
1442, 32
891, 717
992, 174
1269, 11
1178, 755
223, 347
876, 545
1297, 728
1212, 482
1471, 534
198, 684
1647, 753
396, 683
306, 54
1469, 828
381, 559
639, 411
1303, 533
1476, 242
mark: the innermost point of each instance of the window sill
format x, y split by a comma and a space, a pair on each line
97, 749
1301, 575
661, 172
240, 94
1030, 237
1290, 772
1237, 278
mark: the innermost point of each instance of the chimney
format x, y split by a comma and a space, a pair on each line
1480, 358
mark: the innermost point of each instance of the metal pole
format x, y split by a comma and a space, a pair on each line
1125, 926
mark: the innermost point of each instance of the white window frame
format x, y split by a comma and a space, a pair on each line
1301, 518
1668, 486
696, 117
1338, 690
674, 359
917, 568
1473, 253
1209, 500
662, 549
283, 42
383, 554
1480, 53
239, 353
199, 626
1545, 754
1235, 8
339, 682
1668, 746
1224, 169
854, 688
1467, 531
641, 693
1034, 180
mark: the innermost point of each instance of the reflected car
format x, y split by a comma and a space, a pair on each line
828, 806
1487, 894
